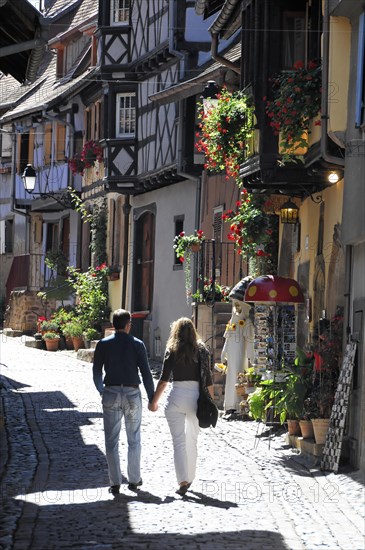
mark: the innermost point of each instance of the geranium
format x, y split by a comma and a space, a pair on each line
90, 153
225, 131
252, 229
296, 101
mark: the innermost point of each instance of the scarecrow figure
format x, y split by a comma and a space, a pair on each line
238, 348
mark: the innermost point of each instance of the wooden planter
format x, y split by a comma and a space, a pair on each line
113, 276
52, 343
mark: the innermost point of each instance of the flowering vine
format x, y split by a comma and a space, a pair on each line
225, 130
296, 101
253, 231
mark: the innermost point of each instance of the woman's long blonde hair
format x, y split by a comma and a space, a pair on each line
183, 339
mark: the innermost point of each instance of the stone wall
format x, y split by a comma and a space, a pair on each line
23, 310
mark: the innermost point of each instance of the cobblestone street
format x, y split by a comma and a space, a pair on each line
252, 492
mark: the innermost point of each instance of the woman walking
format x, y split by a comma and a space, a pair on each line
186, 361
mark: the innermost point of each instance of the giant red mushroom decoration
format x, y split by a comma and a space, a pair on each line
270, 289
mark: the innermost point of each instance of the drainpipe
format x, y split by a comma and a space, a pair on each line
222, 60
126, 210
324, 107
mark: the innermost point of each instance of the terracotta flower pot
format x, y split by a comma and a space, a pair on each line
78, 342
293, 427
195, 247
320, 428
306, 427
52, 344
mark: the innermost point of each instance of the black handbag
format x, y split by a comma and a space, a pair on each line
207, 411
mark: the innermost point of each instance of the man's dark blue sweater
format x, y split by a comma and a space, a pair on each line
122, 355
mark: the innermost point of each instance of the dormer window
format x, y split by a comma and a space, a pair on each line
120, 10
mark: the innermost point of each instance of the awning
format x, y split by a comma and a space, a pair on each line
23, 35
196, 85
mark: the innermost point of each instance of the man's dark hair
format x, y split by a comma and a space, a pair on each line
121, 318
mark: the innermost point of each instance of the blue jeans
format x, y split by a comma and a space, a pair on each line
119, 401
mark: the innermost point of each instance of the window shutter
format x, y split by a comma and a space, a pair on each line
218, 223
2, 236
60, 142
31, 146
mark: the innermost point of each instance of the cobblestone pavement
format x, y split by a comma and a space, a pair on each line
252, 491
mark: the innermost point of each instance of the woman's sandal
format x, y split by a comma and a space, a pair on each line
182, 490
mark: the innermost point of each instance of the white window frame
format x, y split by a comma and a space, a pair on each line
129, 115
120, 12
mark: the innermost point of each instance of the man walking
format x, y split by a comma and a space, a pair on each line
122, 355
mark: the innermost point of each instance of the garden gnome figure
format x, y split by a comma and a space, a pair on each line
239, 345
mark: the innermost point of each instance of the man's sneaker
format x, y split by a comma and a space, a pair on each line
134, 486
114, 489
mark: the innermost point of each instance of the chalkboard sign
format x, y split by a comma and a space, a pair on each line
332, 448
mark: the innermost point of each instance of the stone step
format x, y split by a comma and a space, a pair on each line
86, 355
12, 333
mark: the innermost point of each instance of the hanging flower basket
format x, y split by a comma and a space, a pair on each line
225, 133
90, 153
183, 246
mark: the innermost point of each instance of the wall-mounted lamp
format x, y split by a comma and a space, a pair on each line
289, 212
209, 96
29, 178
333, 177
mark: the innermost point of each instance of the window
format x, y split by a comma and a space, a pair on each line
294, 38
179, 226
126, 115
6, 143
6, 236
25, 150
47, 145
120, 12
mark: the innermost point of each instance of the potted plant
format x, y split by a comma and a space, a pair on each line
52, 341
75, 330
327, 354
90, 334
49, 326
90, 153
113, 272
211, 293
63, 316
184, 245
296, 102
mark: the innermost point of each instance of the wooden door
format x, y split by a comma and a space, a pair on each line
144, 262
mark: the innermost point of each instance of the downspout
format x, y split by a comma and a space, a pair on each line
222, 60
126, 210
324, 106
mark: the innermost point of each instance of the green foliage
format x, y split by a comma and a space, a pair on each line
75, 328
63, 316
91, 290
50, 336
183, 243
220, 293
50, 326
91, 334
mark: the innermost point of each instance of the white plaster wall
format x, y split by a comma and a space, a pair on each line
169, 298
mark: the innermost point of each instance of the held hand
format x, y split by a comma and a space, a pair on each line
152, 406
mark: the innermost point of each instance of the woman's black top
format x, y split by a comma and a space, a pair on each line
179, 370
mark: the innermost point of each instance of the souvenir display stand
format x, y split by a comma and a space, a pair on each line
275, 299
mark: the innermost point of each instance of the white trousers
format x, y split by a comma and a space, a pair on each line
180, 412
